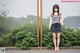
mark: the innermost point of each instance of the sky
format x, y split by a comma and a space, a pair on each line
22, 8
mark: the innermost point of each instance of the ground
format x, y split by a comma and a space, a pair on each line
44, 51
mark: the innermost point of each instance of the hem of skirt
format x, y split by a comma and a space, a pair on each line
56, 32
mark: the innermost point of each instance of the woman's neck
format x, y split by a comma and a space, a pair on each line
55, 13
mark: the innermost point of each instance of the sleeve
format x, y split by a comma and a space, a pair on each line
60, 14
51, 15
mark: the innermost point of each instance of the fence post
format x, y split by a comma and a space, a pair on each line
40, 22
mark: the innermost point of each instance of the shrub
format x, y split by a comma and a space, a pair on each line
26, 40
47, 40
69, 37
25, 37
7, 40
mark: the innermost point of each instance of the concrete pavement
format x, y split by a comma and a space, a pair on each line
44, 51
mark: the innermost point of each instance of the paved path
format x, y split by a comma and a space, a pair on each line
44, 51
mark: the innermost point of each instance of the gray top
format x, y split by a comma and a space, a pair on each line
55, 19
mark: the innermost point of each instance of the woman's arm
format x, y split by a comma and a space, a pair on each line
61, 20
50, 22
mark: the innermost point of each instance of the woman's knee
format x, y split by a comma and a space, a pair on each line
58, 35
54, 35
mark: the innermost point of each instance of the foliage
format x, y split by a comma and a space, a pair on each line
24, 36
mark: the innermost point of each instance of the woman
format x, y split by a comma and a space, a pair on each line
55, 26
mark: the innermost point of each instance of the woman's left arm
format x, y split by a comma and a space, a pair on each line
61, 20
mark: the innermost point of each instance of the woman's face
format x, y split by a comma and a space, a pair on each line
55, 9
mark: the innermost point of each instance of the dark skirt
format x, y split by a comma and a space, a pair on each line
56, 27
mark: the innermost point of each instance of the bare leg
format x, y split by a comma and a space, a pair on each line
58, 40
54, 40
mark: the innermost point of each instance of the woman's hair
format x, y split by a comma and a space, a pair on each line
55, 6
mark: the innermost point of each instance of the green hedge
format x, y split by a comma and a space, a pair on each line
25, 37
69, 37
7, 40
26, 40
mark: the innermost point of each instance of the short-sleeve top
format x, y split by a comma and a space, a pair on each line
55, 19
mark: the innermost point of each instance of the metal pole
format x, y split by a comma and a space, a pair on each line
38, 21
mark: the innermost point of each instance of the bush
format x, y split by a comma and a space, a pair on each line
25, 37
47, 40
7, 40
69, 37
11, 38
26, 40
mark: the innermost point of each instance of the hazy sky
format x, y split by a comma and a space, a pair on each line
19, 8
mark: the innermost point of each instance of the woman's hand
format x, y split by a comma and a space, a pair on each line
61, 21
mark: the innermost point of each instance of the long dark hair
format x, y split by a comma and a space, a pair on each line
55, 6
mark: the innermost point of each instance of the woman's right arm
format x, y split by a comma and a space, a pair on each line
50, 22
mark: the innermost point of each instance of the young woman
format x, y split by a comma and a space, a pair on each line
55, 26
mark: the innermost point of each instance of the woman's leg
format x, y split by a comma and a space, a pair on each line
58, 40
54, 39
